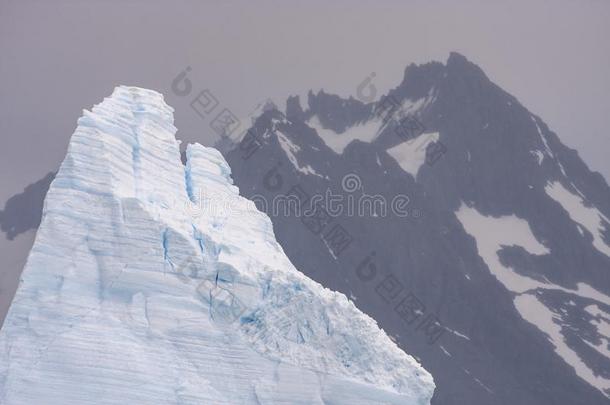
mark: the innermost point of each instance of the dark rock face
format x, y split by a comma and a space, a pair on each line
23, 212
491, 157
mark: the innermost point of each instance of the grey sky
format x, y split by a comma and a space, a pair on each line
59, 57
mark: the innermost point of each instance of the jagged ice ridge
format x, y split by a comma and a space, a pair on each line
133, 295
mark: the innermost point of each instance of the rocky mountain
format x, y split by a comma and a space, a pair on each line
18, 222
457, 219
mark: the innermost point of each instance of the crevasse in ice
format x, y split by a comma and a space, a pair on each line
151, 282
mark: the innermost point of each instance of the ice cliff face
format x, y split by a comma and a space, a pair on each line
152, 282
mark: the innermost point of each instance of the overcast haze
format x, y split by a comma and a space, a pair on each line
62, 56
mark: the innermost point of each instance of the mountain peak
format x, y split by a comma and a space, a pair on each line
457, 64
508, 209
457, 58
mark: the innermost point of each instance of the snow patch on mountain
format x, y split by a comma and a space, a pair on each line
539, 156
409, 107
601, 322
129, 297
587, 216
411, 154
509, 230
542, 137
535, 312
547, 147
364, 132
291, 150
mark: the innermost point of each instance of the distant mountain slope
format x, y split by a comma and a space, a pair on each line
506, 238
23, 211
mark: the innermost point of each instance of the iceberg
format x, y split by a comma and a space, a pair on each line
154, 282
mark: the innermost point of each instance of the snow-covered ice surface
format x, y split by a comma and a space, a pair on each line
136, 292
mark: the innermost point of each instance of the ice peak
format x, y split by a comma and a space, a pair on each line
136, 289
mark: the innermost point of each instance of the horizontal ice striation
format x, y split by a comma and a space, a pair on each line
151, 283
